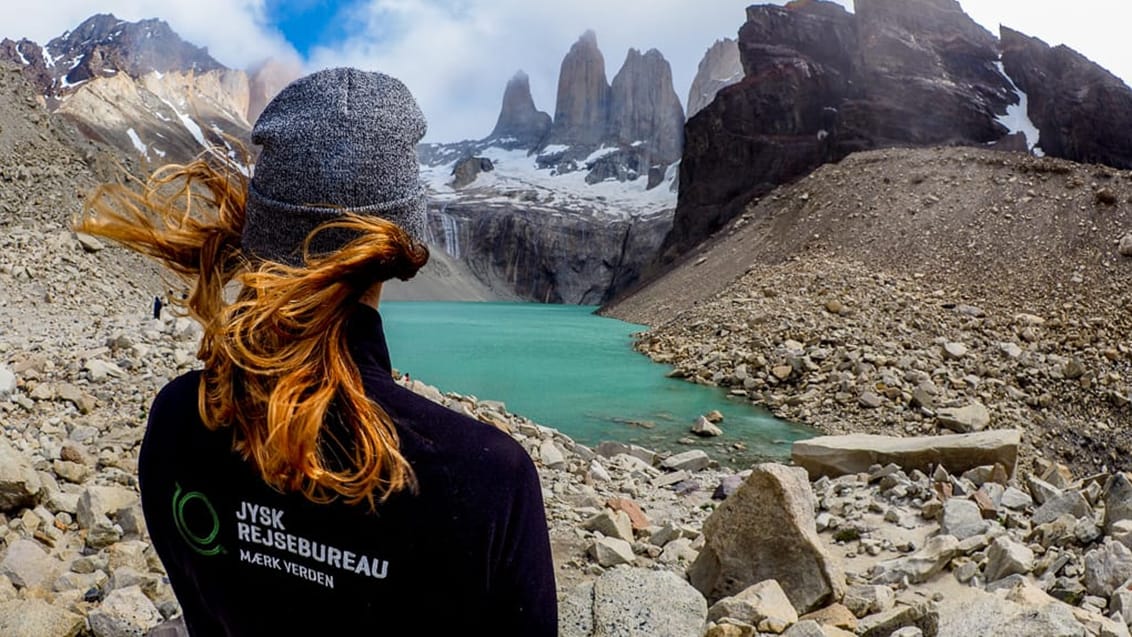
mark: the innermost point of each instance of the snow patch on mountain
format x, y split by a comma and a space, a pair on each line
142, 148
187, 122
517, 178
1017, 117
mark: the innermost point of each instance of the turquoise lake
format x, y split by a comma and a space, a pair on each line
567, 368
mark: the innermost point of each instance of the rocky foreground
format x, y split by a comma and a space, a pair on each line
882, 540
877, 538
916, 291
643, 543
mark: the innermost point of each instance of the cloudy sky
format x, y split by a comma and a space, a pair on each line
456, 55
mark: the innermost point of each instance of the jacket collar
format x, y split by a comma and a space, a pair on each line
366, 337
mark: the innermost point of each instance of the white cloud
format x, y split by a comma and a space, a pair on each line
235, 31
457, 55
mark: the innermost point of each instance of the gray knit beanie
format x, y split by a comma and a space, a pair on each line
339, 140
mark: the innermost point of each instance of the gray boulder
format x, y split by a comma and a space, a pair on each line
7, 383
611, 524
99, 502
962, 518
1125, 246
1006, 557
694, 460
866, 599
919, 566
1107, 567
806, 628
968, 419
706, 428
1066, 503
631, 602
766, 530
762, 601
1117, 500
991, 614
611, 551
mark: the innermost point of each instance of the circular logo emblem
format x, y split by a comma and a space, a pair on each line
197, 521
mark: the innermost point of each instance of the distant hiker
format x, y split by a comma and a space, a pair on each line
157, 307
408, 381
292, 486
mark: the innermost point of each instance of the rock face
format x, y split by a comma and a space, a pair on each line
557, 242
927, 77
766, 530
468, 169
720, 68
1074, 102
763, 131
547, 258
820, 83
520, 124
171, 116
639, 111
644, 107
581, 114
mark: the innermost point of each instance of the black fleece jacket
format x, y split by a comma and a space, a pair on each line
467, 554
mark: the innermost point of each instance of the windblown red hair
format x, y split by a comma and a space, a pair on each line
276, 364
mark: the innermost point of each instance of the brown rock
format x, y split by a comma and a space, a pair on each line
836, 615
637, 517
987, 509
782, 372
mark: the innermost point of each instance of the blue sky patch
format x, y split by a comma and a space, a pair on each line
308, 24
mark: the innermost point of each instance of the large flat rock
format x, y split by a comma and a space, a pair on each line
840, 455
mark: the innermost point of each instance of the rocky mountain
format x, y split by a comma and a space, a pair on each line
111, 80
638, 115
139, 87
103, 46
520, 124
1074, 103
820, 83
581, 113
719, 68
644, 109
567, 210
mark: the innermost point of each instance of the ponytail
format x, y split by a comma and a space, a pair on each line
276, 362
